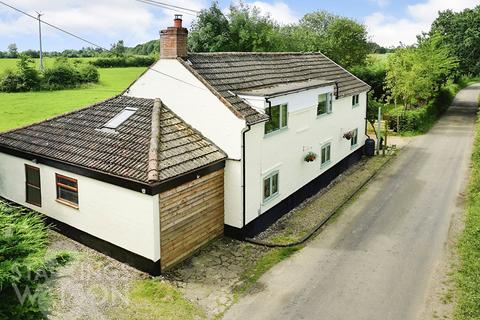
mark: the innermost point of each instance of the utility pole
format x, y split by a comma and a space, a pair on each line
379, 131
40, 38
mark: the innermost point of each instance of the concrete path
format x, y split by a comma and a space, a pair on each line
376, 260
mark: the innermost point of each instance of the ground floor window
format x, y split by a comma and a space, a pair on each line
354, 140
32, 186
67, 190
270, 186
326, 149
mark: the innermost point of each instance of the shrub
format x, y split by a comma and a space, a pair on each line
26, 78
10, 81
61, 75
88, 73
23, 265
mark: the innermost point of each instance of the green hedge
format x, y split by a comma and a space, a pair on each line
420, 120
122, 62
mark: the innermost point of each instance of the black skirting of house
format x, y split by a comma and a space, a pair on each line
264, 221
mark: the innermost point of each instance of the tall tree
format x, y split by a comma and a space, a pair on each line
118, 49
12, 50
461, 32
210, 32
346, 42
251, 31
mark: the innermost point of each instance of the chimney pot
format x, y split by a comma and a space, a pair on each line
177, 22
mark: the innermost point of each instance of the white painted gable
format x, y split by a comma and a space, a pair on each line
189, 98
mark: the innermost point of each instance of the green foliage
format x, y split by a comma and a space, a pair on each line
62, 74
245, 29
118, 49
468, 275
124, 62
415, 75
23, 265
210, 31
25, 78
374, 72
145, 49
12, 50
345, 41
420, 120
461, 32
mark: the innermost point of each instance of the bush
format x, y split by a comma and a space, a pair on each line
88, 73
374, 73
421, 119
122, 62
61, 75
23, 265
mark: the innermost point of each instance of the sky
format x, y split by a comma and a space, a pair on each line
104, 22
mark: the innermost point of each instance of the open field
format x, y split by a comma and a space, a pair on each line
19, 109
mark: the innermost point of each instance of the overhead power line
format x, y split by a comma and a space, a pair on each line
170, 7
55, 27
96, 45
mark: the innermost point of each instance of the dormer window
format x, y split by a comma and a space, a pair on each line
324, 104
278, 118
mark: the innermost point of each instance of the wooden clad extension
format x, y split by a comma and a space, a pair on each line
190, 216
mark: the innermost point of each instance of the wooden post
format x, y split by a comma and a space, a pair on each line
379, 131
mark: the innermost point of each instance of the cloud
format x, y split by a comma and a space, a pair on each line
279, 11
389, 30
381, 3
107, 20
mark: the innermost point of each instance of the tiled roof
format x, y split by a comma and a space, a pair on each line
239, 72
75, 138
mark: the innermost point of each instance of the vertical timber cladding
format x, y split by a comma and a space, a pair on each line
190, 216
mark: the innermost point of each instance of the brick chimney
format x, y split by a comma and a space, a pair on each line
173, 41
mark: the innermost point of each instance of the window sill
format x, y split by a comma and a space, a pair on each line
68, 204
269, 200
273, 133
323, 115
355, 146
326, 164
355, 106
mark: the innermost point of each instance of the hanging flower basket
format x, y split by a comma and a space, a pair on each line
348, 135
310, 157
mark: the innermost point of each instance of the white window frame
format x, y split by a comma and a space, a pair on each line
329, 161
280, 119
355, 100
269, 177
354, 138
329, 101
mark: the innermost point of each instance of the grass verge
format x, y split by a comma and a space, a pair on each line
468, 274
156, 299
265, 263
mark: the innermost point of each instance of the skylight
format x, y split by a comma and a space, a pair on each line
120, 118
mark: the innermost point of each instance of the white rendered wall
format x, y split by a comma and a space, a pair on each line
284, 151
193, 102
120, 216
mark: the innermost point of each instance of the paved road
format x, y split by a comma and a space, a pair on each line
376, 260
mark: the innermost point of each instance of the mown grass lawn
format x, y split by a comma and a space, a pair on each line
12, 63
20, 109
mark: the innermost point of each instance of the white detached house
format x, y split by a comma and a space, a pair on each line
223, 150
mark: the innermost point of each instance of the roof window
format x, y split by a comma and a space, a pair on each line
120, 118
